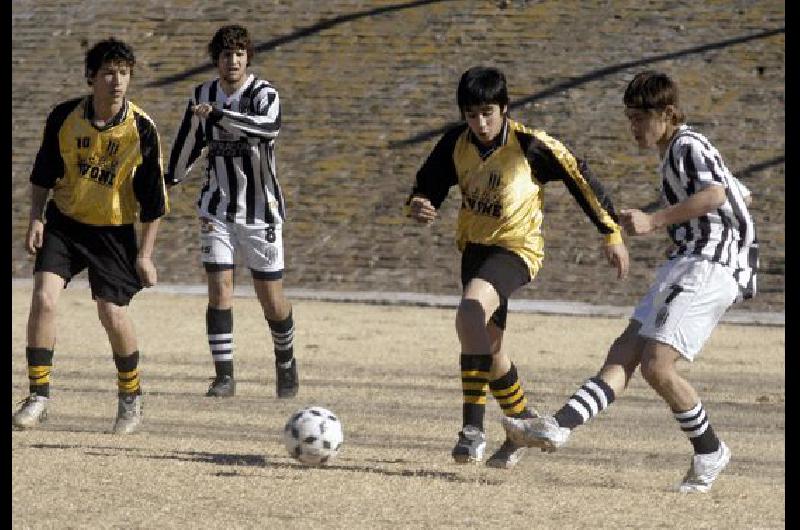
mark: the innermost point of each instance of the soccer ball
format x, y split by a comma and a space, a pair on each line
313, 435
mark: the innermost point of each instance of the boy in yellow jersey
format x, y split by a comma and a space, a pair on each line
500, 167
101, 158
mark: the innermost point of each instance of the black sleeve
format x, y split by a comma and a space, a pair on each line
552, 160
49, 164
438, 173
148, 180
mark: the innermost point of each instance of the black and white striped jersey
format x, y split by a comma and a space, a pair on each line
239, 139
726, 235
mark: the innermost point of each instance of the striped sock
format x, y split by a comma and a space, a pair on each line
591, 398
219, 327
283, 339
474, 384
128, 374
694, 423
507, 390
40, 364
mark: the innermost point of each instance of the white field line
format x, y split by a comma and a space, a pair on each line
548, 307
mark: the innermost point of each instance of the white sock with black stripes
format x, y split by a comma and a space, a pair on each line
588, 401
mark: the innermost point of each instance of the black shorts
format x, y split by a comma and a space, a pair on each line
505, 270
109, 252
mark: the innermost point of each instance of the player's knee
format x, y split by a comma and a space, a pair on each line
276, 309
469, 317
655, 372
112, 316
43, 302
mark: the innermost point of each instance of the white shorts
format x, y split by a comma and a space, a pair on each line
684, 304
261, 247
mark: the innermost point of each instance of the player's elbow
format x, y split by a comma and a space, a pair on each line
715, 196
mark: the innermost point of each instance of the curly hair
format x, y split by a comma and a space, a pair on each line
233, 37
108, 50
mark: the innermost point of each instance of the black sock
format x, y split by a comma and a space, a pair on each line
474, 384
219, 327
128, 374
283, 338
694, 423
508, 392
40, 364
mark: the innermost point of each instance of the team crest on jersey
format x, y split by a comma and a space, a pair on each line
271, 254
484, 199
661, 317
99, 168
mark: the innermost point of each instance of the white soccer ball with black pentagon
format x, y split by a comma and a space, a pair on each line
313, 435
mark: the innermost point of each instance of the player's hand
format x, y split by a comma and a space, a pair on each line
146, 271
422, 210
617, 256
203, 110
636, 222
34, 237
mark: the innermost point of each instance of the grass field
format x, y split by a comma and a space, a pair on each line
391, 374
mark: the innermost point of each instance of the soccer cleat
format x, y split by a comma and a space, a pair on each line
286, 379
470, 445
32, 412
507, 456
129, 414
704, 470
222, 386
543, 432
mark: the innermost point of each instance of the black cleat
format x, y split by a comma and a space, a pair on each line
222, 386
286, 380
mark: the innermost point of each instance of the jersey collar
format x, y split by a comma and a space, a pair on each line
88, 114
501, 140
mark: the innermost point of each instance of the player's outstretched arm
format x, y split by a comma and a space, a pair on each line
637, 222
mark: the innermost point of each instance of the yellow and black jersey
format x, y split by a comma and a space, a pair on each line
102, 176
501, 188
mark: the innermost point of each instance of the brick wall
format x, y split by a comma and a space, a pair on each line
365, 87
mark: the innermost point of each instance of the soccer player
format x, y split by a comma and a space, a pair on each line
712, 265
500, 166
101, 157
236, 118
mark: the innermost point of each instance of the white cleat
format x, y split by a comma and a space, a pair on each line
32, 412
470, 446
704, 470
129, 414
543, 432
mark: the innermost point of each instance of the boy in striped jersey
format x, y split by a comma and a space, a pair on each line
500, 167
712, 265
236, 118
101, 157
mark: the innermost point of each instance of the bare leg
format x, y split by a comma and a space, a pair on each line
47, 289
118, 326
273, 301
220, 289
658, 369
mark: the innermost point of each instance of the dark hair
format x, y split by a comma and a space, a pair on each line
651, 90
105, 51
481, 85
233, 37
